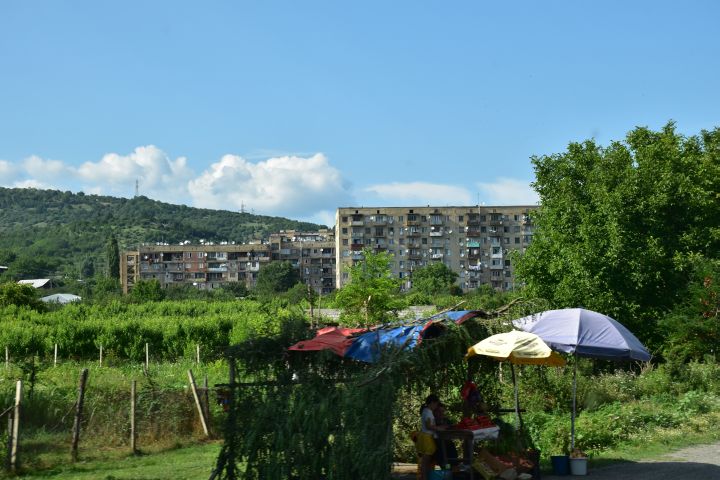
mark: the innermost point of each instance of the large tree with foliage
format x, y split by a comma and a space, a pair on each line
433, 279
372, 291
12, 293
618, 225
276, 277
113, 257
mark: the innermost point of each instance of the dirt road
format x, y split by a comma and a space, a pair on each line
699, 462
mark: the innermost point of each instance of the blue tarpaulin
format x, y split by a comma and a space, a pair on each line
369, 346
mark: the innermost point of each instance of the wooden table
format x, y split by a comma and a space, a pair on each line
468, 437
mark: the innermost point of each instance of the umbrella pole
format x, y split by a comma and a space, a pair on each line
517, 401
572, 418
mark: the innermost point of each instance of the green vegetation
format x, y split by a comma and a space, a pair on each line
47, 233
372, 292
433, 279
276, 277
619, 227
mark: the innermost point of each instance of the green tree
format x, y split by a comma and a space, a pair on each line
692, 329
113, 257
12, 293
617, 225
433, 279
276, 277
147, 291
373, 291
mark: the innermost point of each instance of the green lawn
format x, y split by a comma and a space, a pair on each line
188, 463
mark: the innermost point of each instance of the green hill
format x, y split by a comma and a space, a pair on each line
45, 233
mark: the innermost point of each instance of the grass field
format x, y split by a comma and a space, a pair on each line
187, 463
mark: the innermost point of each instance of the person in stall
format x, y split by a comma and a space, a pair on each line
425, 443
450, 449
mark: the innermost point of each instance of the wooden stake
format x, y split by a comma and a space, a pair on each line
197, 354
78, 414
147, 356
101, 355
197, 402
133, 434
16, 427
7, 357
206, 399
55, 357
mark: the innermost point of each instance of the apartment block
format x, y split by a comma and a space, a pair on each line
474, 241
312, 253
211, 265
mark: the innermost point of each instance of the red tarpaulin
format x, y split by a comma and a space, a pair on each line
336, 339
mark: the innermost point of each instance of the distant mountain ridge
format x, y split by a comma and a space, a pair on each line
63, 231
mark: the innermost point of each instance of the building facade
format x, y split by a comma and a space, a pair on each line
474, 241
211, 265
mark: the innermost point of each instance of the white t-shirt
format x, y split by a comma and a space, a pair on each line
427, 418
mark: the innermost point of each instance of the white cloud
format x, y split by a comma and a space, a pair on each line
508, 191
417, 193
159, 176
289, 186
39, 169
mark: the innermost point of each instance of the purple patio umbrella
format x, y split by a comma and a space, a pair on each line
584, 333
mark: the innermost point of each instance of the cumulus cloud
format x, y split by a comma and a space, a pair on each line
44, 171
7, 173
417, 193
508, 191
288, 185
160, 177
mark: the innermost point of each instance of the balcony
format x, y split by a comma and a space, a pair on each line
472, 232
217, 269
413, 233
471, 222
436, 234
473, 244
356, 247
436, 256
357, 223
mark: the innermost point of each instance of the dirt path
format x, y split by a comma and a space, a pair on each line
698, 462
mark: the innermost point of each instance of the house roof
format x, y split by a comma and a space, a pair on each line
61, 298
35, 283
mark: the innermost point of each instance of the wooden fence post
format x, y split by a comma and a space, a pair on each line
197, 403
101, 355
7, 357
197, 354
55, 357
147, 356
206, 399
78, 414
16, 427
133, 433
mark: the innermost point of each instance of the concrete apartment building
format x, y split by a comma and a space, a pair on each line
211, 265
474, 241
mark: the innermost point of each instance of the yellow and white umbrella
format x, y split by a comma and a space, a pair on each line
518, 347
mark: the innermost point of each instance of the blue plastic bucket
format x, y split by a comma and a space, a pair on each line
560, 464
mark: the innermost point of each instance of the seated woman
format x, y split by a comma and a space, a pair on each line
425, 443
450, 449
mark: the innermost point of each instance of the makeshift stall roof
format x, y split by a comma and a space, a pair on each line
366, 347
336, 339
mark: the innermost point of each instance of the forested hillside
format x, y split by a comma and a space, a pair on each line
48, 232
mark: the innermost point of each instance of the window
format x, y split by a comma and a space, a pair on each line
424, 241
344, 231
461, 218
507, 263
483, 229
506, 240
517, 240
345, 241
516, 217
506, 229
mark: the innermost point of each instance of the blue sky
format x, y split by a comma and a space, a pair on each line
294, 108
